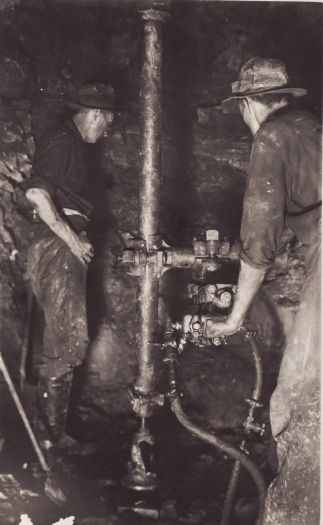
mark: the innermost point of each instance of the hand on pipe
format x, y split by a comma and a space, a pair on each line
214, 327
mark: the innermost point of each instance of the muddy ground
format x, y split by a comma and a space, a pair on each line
215, 381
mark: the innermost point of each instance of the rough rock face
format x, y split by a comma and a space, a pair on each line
5, 4
16, 151
204, 165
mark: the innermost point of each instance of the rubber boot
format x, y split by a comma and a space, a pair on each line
53, 398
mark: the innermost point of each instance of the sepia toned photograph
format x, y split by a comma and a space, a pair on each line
160, 262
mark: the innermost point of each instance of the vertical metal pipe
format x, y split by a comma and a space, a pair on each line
151, 130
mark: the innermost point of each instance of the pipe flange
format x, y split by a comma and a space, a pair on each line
154, 15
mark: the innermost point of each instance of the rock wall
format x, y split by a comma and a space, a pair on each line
49, 52
16, 151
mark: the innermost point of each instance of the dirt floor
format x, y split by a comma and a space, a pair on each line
194, 475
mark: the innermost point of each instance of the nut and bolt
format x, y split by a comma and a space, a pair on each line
225, 298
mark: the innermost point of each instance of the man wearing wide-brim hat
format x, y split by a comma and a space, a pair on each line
283, 190
60, 252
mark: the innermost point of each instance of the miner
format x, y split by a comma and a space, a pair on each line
283, 190
60, 253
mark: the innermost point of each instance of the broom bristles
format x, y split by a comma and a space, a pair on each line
54, 490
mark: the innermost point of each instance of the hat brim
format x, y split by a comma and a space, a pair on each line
230, 105
78, 105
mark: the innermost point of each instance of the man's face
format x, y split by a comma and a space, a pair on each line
247, 111
97, 122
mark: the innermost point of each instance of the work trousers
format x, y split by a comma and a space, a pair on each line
58, 281
294, 495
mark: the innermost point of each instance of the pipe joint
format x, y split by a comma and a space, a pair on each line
145, 404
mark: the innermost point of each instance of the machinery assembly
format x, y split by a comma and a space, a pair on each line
148, 258
160, 214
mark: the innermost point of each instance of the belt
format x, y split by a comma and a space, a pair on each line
70, 211
65, 211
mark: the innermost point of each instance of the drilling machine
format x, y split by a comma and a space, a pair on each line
148, 257
202, 257
205, 258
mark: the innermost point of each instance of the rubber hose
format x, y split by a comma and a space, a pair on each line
256, 356
224, 447
227, 507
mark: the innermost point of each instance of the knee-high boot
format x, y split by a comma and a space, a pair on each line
53, 398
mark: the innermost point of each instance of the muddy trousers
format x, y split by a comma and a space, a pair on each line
58, 281
294, 495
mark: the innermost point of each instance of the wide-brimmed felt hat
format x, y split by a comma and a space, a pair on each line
95, 96
257, 76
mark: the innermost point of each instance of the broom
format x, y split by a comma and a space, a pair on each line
52, 486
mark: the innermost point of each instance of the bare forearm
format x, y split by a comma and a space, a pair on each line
249, 282
43, 204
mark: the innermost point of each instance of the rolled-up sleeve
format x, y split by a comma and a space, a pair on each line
50, 163
263, 215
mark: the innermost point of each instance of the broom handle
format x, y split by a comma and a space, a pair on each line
22, 413
25, 337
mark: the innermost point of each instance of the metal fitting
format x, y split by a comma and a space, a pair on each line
145, 404
243, 448
140, 472
170, 356
254, 427
225, 297
248, 333
253, 403
154, 15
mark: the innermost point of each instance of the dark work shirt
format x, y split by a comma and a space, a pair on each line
283, 185
59, 168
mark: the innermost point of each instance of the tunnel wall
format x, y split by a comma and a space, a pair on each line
204, 160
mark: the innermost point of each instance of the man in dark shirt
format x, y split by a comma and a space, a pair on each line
60, 252
283, 189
